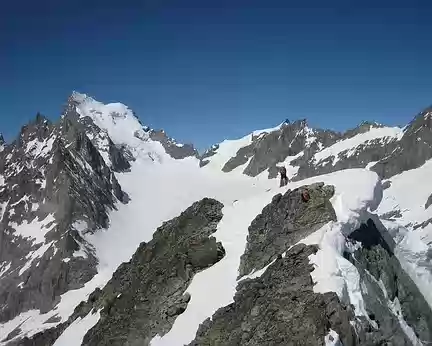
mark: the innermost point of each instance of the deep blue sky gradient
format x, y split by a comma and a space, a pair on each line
209, 70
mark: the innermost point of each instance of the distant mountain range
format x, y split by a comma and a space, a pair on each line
113, 233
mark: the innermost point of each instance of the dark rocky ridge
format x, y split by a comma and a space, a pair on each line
57, 170
371, 151
363, 127
393, 155
279, 308
145, 295
153, 282
428, 202
172, 148
118, 155
51, 170
378, 266
292, 139
268, 149
284, 222
207, 154
413, 149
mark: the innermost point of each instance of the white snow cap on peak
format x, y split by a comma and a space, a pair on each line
115, 118
80, 97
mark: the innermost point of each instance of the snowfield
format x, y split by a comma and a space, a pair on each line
384, 134
332, 273
157, 195
152, 185
413, 241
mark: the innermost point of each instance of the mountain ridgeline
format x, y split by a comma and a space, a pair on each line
75, 191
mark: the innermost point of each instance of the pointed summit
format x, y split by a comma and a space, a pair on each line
80, 97
421, 124
363, 127
413, 149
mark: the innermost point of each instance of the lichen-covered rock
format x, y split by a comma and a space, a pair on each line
279, 308
284, 222
145, 295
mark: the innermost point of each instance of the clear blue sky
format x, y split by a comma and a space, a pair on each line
206, 70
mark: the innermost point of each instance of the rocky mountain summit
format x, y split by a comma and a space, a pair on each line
113, 233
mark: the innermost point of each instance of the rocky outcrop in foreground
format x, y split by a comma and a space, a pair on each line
279, 308
284, 222
145, 295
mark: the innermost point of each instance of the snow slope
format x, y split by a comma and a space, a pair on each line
384, 134
220, 281
115, 118
151, 184
122, 126
227, 149
413, 242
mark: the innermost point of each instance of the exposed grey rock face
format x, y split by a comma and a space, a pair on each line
55, 177
119, 157
145, 295
284, 222
389, 292
358, 157
279, 308
208, 153
152, 284
61, 177
290, 140
242, 156
364, 154
412, 151
268, 149
428, 202
393, 155
363, 127
391, 215
172, 148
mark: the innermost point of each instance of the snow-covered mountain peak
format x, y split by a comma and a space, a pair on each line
116, 119
114, 127
80, 97
81, 196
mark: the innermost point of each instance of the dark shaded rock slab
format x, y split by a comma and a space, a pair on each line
284, 222
279, 308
